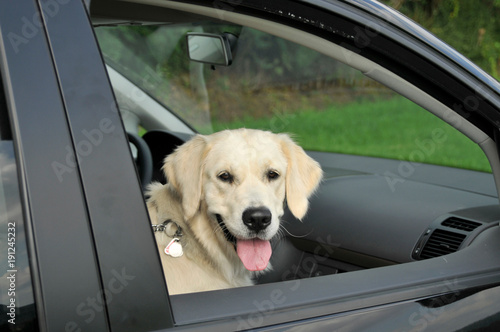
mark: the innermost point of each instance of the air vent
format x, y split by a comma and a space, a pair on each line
441, 243
462, 224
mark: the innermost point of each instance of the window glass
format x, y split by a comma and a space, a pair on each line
17, 305
277, 85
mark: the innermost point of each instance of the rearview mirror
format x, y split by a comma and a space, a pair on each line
209, 48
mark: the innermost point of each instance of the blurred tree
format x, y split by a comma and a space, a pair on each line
471, 27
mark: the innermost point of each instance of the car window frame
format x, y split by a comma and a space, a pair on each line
321, 296
53, 97
113, 195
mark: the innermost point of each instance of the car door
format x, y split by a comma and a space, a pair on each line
93, 262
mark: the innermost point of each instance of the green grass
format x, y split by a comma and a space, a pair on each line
394, 128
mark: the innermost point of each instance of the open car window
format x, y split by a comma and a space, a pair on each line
381, 199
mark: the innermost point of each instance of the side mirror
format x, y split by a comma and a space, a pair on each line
209, 48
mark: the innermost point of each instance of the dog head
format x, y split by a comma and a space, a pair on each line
242, 178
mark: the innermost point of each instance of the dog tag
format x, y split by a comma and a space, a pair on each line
174, 248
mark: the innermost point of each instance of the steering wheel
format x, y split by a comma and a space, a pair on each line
144, 161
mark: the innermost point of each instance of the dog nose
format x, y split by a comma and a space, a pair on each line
257, 219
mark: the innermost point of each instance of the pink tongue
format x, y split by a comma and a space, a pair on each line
254, 253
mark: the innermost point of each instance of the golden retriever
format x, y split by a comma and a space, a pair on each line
223, 203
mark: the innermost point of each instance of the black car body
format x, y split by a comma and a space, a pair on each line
85, 258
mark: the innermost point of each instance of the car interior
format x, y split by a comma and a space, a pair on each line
369, 213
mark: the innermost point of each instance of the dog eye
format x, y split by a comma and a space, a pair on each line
272, 175
226, 177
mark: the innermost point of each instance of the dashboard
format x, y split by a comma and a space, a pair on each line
365, 216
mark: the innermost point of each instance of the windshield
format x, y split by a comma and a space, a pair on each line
278, 85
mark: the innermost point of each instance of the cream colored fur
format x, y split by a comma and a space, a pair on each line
195, 194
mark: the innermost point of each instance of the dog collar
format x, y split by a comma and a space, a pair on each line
174, 248
163, 226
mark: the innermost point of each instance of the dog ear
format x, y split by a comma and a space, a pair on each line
183, 170
303, 176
